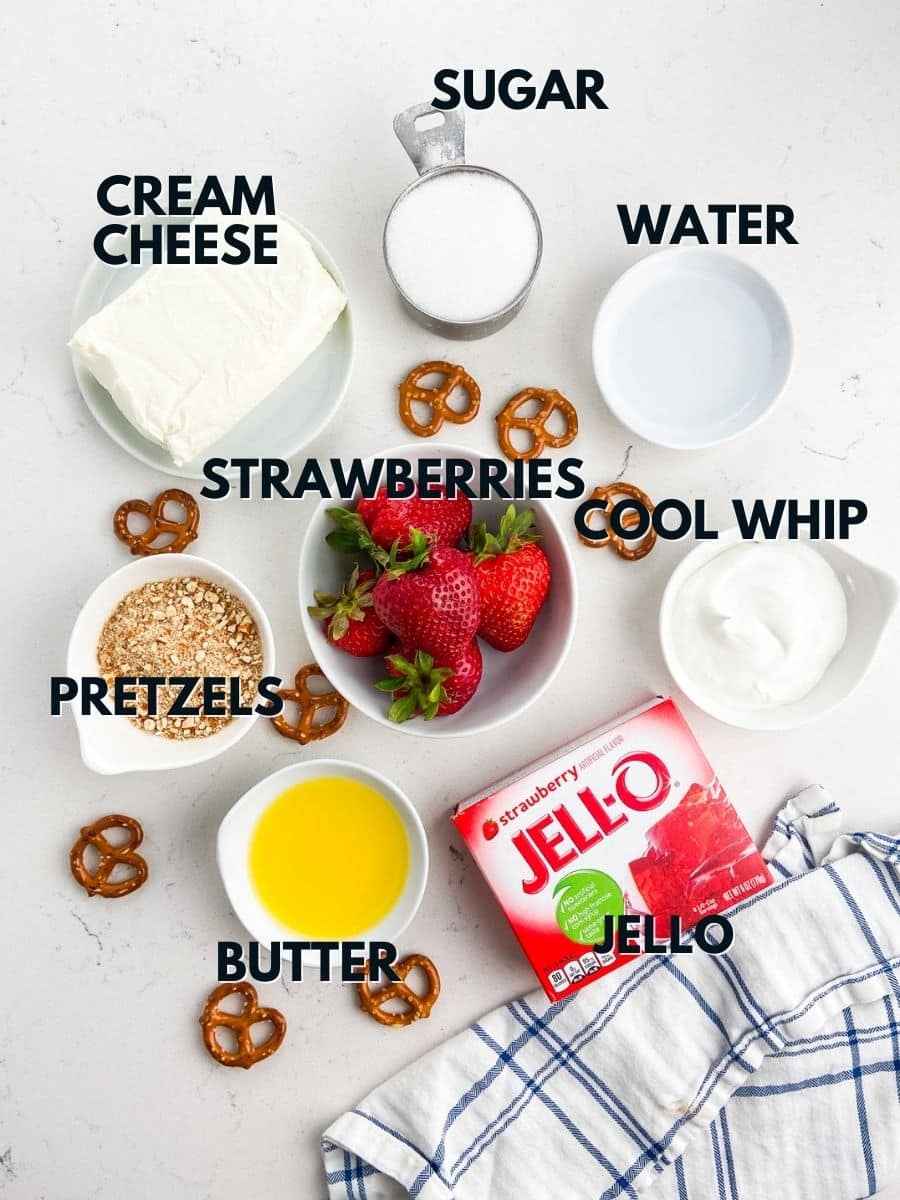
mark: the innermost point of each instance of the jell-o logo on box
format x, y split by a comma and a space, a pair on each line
556, 839
628, 819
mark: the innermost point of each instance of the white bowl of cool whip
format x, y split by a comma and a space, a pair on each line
772, 635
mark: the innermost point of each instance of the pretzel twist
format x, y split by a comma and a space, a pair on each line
240, 1024
304, 729
550, 401
625, 548
418, 1007
98, 882
184, 532
437, 398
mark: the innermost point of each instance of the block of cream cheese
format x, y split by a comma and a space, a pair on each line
189, 350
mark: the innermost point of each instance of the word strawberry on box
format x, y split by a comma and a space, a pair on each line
629, 818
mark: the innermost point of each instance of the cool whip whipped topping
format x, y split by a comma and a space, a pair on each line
189, 350
757, 626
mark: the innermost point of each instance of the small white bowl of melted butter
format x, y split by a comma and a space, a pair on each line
324, 850
772, 634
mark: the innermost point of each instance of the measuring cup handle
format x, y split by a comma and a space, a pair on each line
440, 146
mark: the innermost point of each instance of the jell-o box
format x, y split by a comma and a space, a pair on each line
628, 818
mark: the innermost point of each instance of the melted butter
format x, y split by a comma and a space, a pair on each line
329, 858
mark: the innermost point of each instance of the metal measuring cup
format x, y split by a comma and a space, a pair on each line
438, 151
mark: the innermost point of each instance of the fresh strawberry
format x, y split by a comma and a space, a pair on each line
432, 687
350, 618
381, 522
513, 576
443, 521
429, 598
368, 507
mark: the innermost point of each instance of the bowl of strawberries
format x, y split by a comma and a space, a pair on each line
434, 614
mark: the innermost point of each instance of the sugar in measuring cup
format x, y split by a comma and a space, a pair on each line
462, 244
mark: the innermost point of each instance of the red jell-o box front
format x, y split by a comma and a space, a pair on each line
626, 819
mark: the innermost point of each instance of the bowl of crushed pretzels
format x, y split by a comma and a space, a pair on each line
198, 641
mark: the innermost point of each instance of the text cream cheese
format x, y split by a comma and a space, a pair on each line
758, 625
188, 351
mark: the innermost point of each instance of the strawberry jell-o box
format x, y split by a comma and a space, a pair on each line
626, 819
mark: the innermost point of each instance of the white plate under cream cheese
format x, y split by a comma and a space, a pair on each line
180, 362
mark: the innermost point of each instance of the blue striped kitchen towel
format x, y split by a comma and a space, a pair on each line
772, 1070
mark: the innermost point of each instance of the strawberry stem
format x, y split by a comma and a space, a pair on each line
410, 557
352, 536
514, 531
351, 605
417, 688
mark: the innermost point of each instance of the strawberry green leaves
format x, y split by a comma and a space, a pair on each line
352, 536
355, 597
514, 531
417, 685
400, 560
351, 621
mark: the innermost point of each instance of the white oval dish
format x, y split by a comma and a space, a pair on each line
111, 745
236, 830
691, 347
871, 595
287, 420
511, 682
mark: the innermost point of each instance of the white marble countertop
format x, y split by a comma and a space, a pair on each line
104, 1085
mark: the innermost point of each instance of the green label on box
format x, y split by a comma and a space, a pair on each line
585, 899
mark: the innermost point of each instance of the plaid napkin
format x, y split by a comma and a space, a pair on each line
771, 1070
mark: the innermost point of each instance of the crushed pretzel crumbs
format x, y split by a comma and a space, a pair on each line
181, 626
